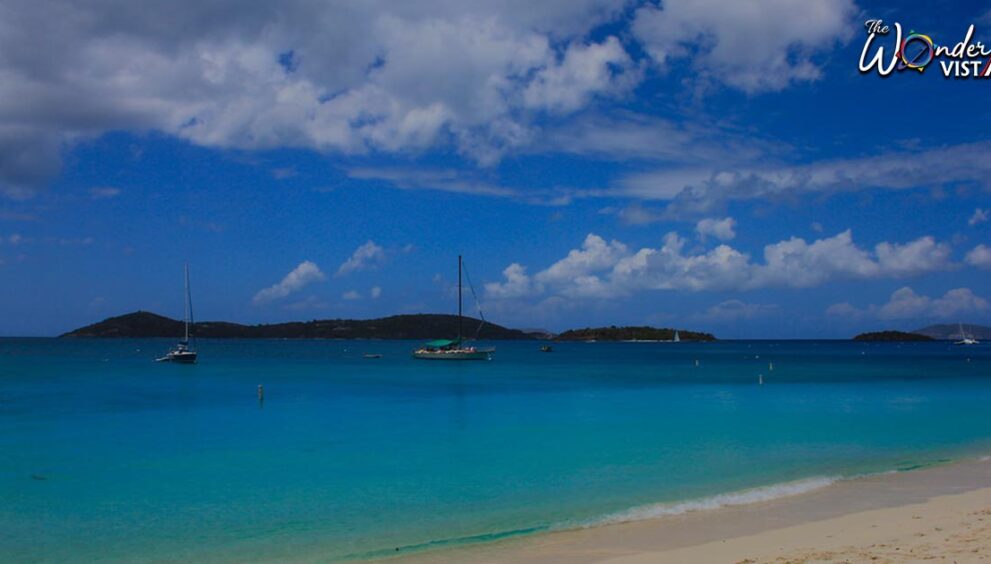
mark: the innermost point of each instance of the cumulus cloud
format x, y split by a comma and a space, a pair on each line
516, 285
595, 254
298, 278
905, 303
980, 257
584, 71
375, 292
722, 229
364, 257
752, 45
980, 216
351, 295
609, 270
334, 76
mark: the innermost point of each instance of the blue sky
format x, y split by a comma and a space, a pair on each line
691, 164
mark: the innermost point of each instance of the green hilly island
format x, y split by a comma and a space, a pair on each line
143, 324
642, 333
889, 336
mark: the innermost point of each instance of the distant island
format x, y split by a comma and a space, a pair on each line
951, 331
877, 336
143, 324
146, 325
643, 333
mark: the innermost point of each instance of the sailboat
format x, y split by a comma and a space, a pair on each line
183, 352
965, 340
453, 349
677, 337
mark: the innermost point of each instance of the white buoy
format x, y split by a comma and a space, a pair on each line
760, 379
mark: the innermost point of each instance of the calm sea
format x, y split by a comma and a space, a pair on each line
105, 455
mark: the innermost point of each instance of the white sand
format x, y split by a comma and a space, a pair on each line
940, 514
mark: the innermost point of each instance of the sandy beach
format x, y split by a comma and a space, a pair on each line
941, 513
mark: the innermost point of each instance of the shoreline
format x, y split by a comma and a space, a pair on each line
876, 516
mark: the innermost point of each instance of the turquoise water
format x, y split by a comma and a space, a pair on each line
106, 455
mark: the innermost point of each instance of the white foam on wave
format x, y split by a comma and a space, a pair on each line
984, 459
743, 497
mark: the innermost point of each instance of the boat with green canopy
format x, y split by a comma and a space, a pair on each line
455, 349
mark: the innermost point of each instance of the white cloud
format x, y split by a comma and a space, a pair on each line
594, 255
336, 76
980, 216
351, 295
635, 214
735, 310
609, 270
752, 45
516, 285
722, 229
446, 180
698, 189
301, 276
623, 135
584, 71
980, 257
103, 192
368, 255
284, 172
906, 304
375, 292
572, 275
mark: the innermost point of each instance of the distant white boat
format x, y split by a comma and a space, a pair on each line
677, 337
965, 340
184, 352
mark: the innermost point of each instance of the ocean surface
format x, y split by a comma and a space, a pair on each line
105, 455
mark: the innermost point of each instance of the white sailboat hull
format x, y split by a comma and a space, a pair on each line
181, 357
453, 354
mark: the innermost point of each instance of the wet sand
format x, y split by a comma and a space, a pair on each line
941, 513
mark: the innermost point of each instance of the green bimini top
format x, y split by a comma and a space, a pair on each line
441, 343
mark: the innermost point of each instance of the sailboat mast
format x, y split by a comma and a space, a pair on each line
459, 298
188, 305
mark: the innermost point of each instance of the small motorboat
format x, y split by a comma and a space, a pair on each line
546, 348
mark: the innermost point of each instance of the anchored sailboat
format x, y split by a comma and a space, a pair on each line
965, 340
183, 352
453, 349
